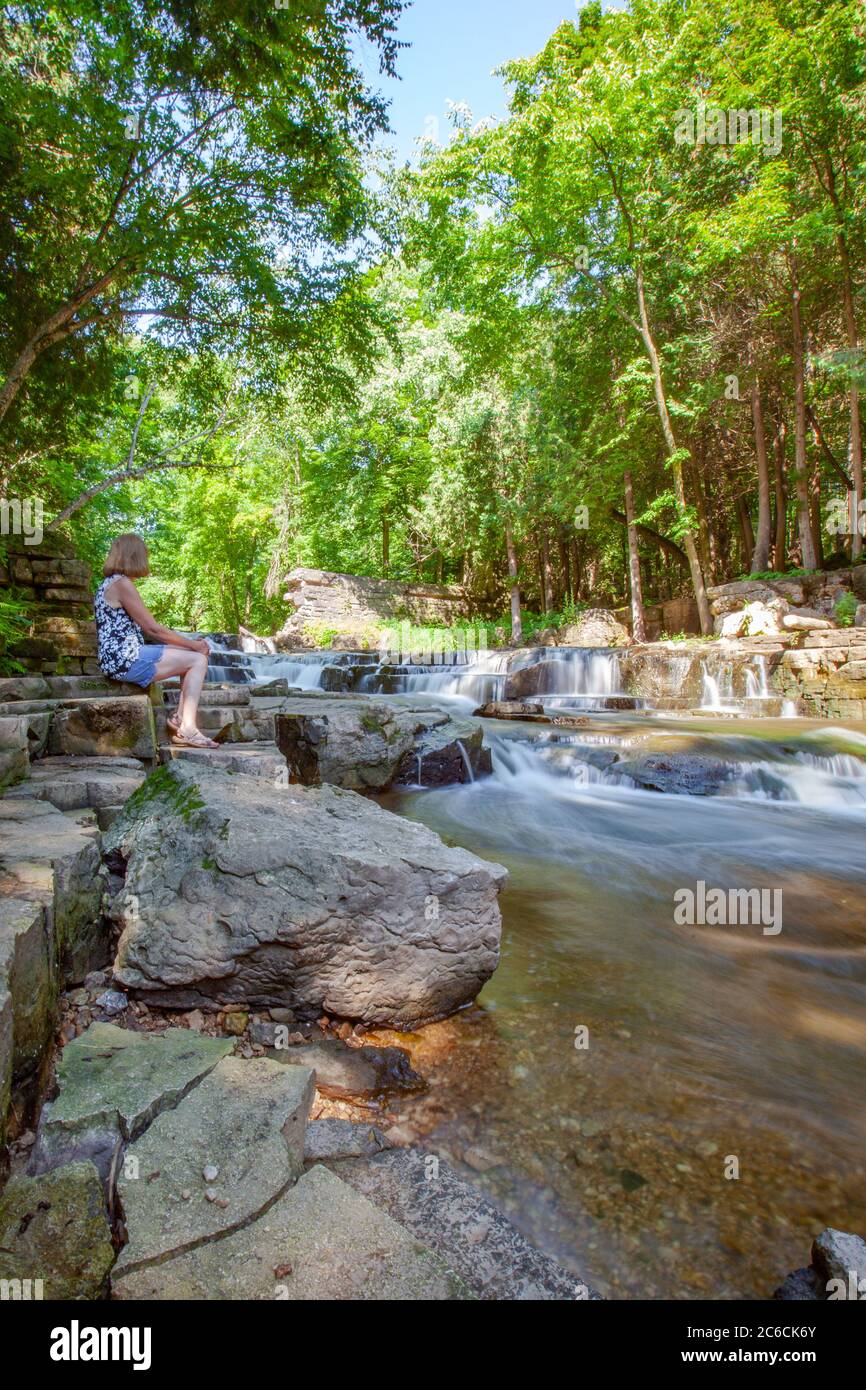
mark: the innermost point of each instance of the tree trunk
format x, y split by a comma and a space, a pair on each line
808, 558
638, 623
58, 326
565, 563
855, 442
675, 461
386, 545
761, 552
546, 572
747, 535
815, 515
516, 620
576, 570
704, 542
779, 548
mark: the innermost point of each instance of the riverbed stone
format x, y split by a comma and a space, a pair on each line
312, 899
322, 1240
337, 1139
838, 1254
365, 745
354, 744
446, 754
686, 774
424, 1194
344, 1072
512, 709
54, 1228
112, 1083
239, 1132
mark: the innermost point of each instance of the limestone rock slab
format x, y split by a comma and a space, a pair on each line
54, 1228
321, 1241
112, 1085
245, 1120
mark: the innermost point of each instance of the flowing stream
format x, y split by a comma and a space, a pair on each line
714, 1120
710, 1049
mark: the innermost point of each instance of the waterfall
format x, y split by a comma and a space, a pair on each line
756, 680
466, 763
717, 691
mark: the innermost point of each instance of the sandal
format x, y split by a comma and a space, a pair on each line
196, 740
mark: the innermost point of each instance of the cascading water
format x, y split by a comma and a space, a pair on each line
569, 674
717, 692
756, 680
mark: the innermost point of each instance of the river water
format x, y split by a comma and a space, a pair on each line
714, 1121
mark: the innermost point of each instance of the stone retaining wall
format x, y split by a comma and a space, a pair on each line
357, 608
55, 585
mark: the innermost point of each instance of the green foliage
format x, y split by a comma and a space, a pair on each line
389, 376
846, 608
770, 575
13, 625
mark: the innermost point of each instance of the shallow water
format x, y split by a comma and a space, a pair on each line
706, 1044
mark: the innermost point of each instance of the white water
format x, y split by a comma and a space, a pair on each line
717, 691
468, 678
539, 766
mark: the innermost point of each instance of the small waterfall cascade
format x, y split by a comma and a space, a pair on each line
562, 678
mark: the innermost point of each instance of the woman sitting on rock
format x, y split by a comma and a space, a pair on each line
122, 621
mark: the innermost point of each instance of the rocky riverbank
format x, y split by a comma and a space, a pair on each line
191, 950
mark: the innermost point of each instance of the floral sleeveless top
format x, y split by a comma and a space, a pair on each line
118, 638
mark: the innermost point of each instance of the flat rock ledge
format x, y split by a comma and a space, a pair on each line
237, 891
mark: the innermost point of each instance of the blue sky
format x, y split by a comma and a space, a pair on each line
455, 45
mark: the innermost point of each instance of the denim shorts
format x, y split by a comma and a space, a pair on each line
141, 672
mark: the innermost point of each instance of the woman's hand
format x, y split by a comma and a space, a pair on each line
135, 607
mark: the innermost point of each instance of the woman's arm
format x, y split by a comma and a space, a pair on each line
135, 607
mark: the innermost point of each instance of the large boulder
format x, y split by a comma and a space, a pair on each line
367, 746
597, 627
341, 742
238, 891
450, 751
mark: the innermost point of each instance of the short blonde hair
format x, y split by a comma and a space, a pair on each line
128, 555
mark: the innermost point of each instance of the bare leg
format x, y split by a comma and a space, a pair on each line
192, 668
190, 692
